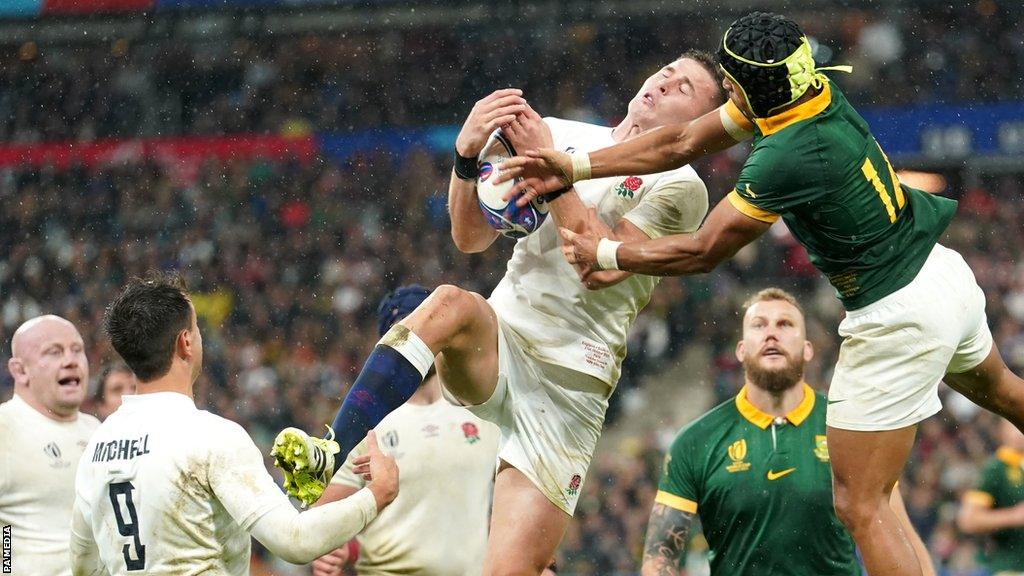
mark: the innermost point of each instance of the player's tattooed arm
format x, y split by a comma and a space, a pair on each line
667, 533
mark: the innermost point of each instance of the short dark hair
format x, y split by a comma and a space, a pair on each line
109, 370
710, 63
144, 320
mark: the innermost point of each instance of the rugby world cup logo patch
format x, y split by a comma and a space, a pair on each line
485, 171
738, 453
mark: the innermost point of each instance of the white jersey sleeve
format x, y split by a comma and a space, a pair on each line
85, 554
302, 538
239, 478
675, 207
240, 481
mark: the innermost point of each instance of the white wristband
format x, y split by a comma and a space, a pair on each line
580, 166
606, 250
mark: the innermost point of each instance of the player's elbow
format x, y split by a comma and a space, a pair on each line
470, 241
683, 148
470, 247
704, 262
602, 279
296, 553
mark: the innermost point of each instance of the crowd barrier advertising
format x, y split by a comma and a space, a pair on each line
162, 150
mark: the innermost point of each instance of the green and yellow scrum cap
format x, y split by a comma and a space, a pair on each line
769, 60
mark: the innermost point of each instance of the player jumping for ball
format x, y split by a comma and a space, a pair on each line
915, 314
542, 355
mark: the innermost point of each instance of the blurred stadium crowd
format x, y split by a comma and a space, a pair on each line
425, 75
287, 259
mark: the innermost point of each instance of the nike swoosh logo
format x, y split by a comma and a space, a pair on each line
773, 475
831, 402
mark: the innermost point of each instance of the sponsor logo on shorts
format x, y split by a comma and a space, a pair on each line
485, 171
574, 485
471, 432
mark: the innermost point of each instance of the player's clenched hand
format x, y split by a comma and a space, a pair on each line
543, 170
528, 131
580, 250
331, 564
496, 109
382, 472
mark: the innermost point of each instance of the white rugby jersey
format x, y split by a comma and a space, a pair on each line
541, 297
38, 456
170, 489
437, 526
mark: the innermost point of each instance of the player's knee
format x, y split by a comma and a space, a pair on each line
451, 297
853, 511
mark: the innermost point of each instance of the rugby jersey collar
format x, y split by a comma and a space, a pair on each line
1009, 456
808, 109
763, 420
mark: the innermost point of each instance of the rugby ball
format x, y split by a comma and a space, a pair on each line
505, 217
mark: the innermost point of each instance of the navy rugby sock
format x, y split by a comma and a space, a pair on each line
390, 376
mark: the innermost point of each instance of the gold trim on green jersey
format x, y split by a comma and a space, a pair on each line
740, 203
763, 420
1009, 456
677, 502
983, 499
1012, 459
737, 116
808, 109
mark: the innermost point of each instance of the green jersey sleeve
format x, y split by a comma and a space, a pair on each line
765, 188
680, 485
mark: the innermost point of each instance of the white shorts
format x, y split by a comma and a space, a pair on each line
895, 351
550, 419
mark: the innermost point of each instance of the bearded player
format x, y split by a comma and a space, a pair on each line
915, 314
541, 356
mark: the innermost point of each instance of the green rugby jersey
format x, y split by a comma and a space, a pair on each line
1001, 486
762, 488
819, 167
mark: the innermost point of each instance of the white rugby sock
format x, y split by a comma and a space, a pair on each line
410, 346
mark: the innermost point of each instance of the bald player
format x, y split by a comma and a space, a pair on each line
43, 437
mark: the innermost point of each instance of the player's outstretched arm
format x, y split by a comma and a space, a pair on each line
664, 148
333, 563
248, 493
724, 232
470, 230
657, 150
977, 516
667, 532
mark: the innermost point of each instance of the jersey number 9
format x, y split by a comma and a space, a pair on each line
130, 528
